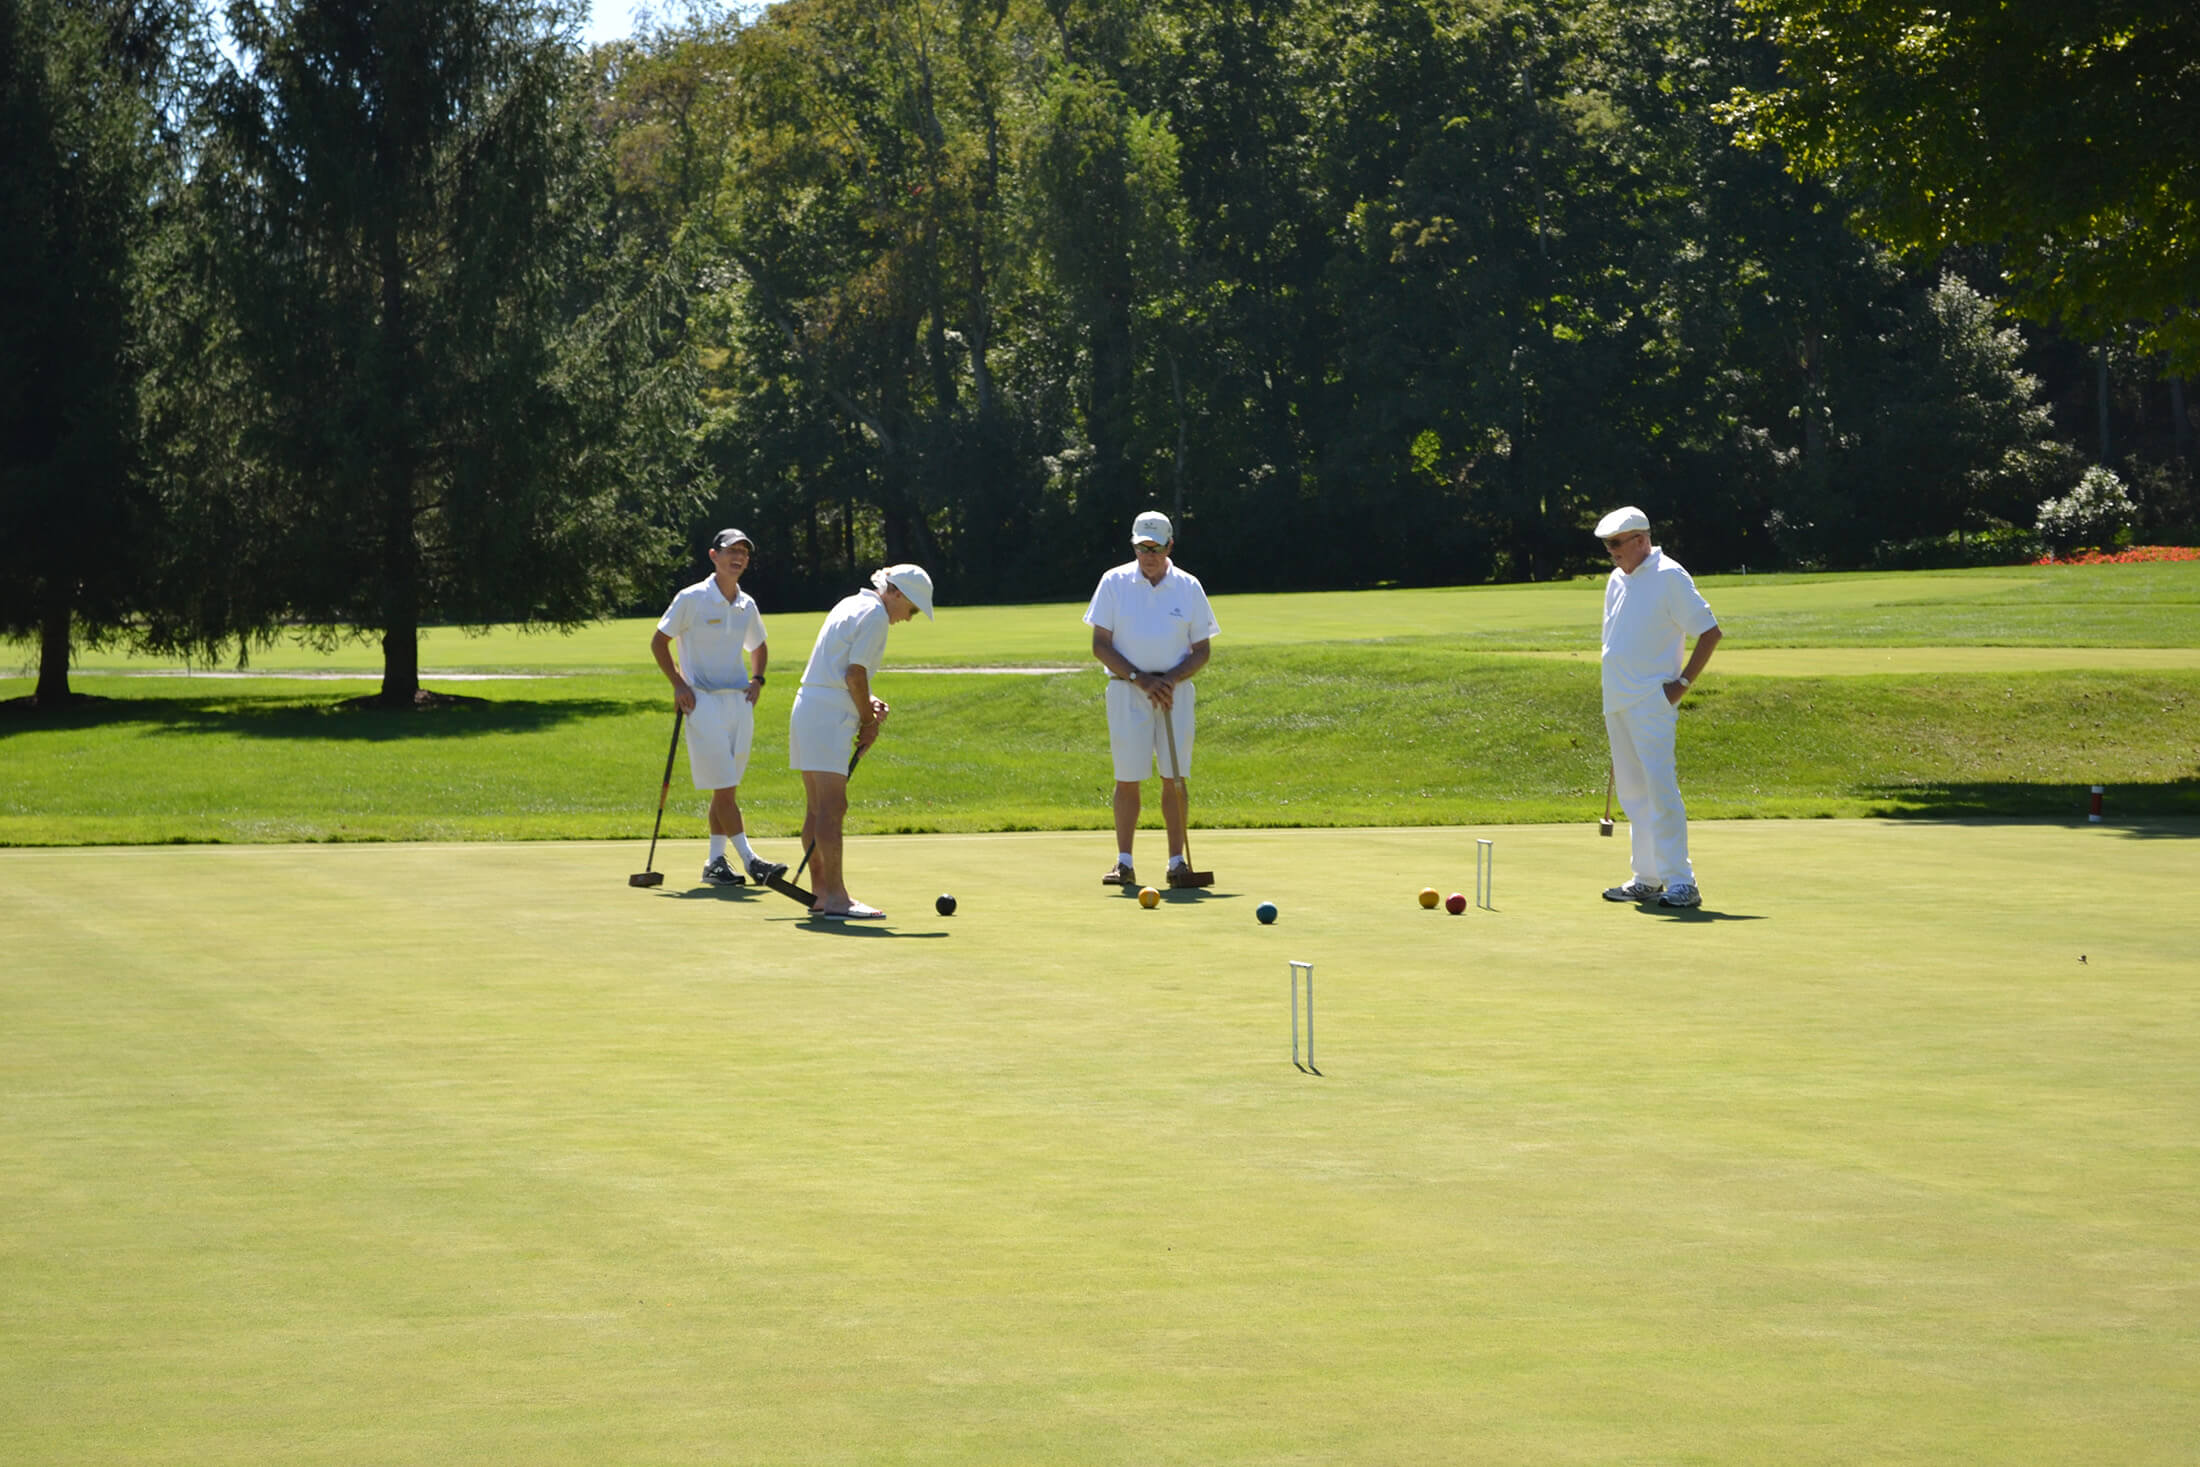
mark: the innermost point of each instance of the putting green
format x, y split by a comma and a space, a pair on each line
406, 1154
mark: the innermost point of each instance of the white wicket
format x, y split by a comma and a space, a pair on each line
1308, 1066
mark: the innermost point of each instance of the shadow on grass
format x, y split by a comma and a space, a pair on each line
311, 718
2015, 801
869, 928
1698, 914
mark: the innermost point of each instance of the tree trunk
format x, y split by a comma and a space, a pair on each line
53, 655
2105, 445
401, 665
401, 589
2180, 426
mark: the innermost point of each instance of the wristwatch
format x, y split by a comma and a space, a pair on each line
1683, 680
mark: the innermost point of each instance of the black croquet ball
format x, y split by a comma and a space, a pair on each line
945, 906
1266, 911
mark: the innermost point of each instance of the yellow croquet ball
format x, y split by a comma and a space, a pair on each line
1429, 898
1148, 897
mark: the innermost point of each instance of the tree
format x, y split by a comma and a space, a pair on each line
85, 175
454, 400
2057, 134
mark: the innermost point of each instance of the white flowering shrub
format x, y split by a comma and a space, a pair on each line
2089, 515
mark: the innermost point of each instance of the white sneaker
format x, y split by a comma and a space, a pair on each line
1680, 894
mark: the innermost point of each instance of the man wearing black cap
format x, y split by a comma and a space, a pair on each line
718, 626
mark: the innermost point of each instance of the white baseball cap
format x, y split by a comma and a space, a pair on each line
1622, 521
913, 582
1153, 525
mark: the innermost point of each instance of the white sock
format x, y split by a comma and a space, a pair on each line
1175, 861
1123, 857
717, 846
741, 844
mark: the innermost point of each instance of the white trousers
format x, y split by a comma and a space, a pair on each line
1648, 784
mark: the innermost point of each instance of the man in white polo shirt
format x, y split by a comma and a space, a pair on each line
1150, 629
716, 624
1651, 606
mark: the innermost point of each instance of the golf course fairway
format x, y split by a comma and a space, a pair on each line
459, 1153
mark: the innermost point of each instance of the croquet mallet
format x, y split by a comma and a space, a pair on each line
646, 876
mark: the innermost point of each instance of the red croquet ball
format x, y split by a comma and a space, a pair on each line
1455, 904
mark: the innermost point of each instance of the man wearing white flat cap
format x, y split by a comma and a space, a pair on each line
1651, 607
1151, 625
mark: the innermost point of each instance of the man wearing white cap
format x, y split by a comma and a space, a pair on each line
1150, 629
834, 713
1651, 606
717, 624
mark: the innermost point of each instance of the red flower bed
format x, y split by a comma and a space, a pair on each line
2133, 556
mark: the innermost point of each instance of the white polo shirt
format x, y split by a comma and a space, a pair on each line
1153, 626
1647, 618
713, 634
854, 634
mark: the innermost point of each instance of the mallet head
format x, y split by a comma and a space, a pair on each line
1604, 826
646, 878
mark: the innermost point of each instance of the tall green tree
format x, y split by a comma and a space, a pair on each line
2059, 135
88, 168
456, 417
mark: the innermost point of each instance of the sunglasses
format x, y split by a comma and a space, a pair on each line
1618, 540
1149, 549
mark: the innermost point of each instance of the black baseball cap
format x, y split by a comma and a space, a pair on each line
727, 538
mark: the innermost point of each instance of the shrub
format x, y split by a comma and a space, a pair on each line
2001, 545
2089, 515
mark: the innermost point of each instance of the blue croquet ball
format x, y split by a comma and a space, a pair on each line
1266, 911
945, 906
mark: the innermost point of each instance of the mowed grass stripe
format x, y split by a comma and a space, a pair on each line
443, 1153
1367, 735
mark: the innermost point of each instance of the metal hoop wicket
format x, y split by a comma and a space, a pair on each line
1485, 875
1308, 1066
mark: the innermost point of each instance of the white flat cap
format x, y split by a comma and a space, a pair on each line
1622, 521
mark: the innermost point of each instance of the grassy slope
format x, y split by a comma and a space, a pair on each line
1384, 708
421, 1154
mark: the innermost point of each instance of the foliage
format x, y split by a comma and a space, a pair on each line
88, 174
2136, 555
454, 418
2089, 515
1996, 545
2046, 131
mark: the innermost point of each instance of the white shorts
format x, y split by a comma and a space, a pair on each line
719, 733
821, 730
1138, 740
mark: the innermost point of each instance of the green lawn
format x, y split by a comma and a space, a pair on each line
432, 1154
1378, 709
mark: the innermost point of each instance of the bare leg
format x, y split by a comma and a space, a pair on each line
1176, 808
827, 796
1126, 812
725, 811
